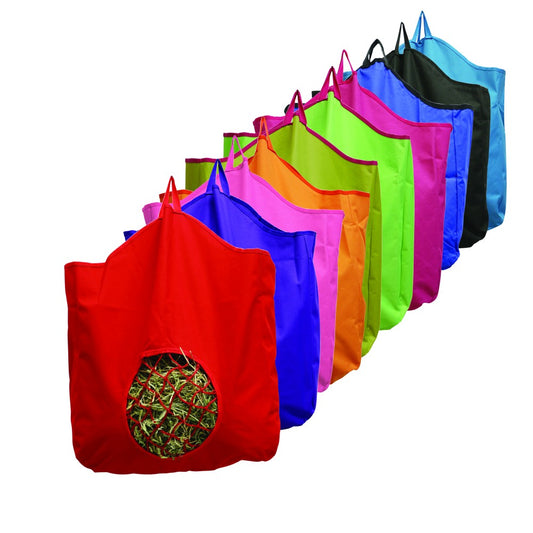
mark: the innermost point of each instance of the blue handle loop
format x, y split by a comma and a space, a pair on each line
427, 33
405, 38
218, 170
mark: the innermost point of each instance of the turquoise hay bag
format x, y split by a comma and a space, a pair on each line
458, 67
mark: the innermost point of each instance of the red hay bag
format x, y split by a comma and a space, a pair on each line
173, 288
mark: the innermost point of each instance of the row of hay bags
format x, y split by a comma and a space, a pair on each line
215, 325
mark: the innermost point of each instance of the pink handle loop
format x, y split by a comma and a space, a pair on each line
231, 156
340, 71
323, 94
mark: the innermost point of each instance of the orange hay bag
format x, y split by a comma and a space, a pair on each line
350, 317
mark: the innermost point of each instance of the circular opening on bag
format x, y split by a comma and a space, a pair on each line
172, 405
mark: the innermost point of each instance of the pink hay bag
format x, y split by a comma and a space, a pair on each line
274, 208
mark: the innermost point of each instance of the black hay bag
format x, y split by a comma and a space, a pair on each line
426, 77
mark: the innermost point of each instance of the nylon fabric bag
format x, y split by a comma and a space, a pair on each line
327, 224
355, 204
408, 103
425, 76
458, 67
356, 137
324, 168
350, 314
295, 298
173, 296
429, 144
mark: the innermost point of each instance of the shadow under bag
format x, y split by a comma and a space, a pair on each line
172, 352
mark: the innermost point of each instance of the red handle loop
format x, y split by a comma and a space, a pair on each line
175, 205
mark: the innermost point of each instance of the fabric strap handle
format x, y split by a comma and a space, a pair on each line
217, 169
231, 155
427, 33
325, 88
300, 111
340, 70
368, 58
405, 38
175, 205
263, 131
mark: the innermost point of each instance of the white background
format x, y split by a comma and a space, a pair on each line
100, 103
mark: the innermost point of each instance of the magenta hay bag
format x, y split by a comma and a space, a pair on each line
429, 143
410, 104
327, 225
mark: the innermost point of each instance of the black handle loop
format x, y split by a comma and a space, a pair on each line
405, 38
368, 58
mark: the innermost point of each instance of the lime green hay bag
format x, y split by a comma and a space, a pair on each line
357, 138
326, 168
